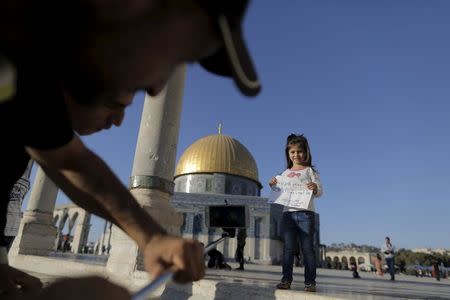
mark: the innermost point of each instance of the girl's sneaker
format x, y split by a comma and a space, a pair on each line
284, 285
311, 287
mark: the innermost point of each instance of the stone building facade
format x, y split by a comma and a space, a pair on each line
219, 170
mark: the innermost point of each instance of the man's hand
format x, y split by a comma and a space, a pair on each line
13, 281
167, 253
85, 288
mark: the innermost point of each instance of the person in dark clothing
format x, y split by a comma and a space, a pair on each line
74, 78
239, 255
216, 260
435, 271
354, 269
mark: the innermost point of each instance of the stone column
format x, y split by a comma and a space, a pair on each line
151, 181
249, 250
36, 232
81, 232
108, 238
232, 246
16, 196
266, 239
102, 239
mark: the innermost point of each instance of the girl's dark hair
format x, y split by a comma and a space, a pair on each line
302, 142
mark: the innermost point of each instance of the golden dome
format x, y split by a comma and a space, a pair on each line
218, 153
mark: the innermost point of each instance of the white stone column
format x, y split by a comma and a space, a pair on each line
249, 250
226, 248
266, 240
108, 238
36, 232
151, 181
16, 196
102, 239
81, 231
232, 246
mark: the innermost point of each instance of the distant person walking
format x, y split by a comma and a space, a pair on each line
389, 253
354, 269
436, 273
299, 223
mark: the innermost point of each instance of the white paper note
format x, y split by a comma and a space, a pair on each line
290, 192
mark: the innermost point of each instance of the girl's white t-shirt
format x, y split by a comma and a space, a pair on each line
305, 176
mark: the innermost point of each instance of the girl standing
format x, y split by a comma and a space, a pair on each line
299, 224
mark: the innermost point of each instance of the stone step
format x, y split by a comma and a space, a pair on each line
226, 290
256, 282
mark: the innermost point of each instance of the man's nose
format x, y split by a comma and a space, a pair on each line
117, 118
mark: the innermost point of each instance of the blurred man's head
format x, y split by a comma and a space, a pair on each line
137, 47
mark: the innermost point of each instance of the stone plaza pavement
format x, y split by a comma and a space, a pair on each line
258, 282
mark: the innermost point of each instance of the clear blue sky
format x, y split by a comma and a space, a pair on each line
367, 82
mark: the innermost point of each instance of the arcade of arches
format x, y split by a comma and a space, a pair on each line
342, 259
73, 215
